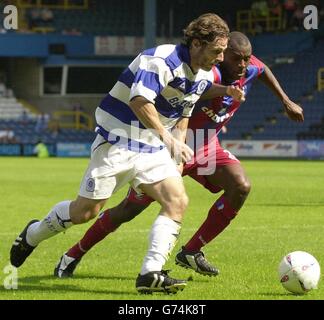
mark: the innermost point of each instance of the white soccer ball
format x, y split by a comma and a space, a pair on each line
299, 272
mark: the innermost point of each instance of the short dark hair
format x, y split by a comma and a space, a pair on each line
238, 40
205, 28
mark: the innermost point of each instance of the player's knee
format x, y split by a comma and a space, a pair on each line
179, 203
184, 202
243, 186
84, 216
90, 214
82, 213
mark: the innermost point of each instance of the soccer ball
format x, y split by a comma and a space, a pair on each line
299, 272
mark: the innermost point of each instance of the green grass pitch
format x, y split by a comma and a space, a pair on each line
284, 212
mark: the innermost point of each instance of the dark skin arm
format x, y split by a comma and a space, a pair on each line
293, 110
217, 90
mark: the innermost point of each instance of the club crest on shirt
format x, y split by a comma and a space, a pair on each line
182, 86
202, 86
90, 185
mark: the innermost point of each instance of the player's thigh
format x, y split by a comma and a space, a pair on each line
170, 193
157, 176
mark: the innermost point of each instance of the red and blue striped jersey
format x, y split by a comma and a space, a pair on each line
214, 114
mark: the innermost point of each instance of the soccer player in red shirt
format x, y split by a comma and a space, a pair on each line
213, 167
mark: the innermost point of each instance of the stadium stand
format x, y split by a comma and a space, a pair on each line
117, 18
260, 118
101, 18
10, 108
25, 133
22, 124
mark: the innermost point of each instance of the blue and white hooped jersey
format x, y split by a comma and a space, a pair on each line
163, 76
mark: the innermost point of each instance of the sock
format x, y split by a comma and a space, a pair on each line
98, 231
163, 237
57, 220
219, 217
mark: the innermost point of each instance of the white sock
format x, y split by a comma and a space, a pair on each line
163, 237
57, 220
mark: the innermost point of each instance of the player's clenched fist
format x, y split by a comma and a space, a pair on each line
235, 92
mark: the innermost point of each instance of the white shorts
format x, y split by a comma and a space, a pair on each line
113, 166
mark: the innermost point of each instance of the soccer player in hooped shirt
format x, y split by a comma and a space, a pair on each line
219, 170
134, 145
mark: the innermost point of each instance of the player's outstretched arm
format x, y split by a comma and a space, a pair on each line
293, 110
217, 90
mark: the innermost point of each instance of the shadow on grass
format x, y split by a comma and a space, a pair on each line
198, 278
273, 294
284, 204
75, 277
34, 283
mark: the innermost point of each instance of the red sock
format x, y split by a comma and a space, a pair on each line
219, 217
98, 231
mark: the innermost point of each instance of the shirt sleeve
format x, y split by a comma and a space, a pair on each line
217, 75
151, 78
257, 63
